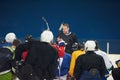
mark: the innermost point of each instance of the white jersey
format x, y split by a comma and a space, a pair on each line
107, 61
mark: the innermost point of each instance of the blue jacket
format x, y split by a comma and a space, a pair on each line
64, 66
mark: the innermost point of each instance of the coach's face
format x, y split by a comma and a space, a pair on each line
65, 29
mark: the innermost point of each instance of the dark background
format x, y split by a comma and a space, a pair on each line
88, 19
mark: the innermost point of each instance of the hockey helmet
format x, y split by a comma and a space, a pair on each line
46, 36
90, 45
10, 37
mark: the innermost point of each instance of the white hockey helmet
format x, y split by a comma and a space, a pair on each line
90, 45
10, 37
46, 36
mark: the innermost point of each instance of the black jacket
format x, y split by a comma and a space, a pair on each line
42, 56
88, 61
116, 73
70, 39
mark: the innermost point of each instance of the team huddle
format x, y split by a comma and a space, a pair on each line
64, 59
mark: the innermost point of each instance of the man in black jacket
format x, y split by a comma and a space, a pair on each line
69, 37
41, 58
89, 61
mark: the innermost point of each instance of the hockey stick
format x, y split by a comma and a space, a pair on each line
59, 69
61, 26
43, 18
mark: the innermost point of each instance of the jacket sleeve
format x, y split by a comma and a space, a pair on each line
60, 50
77, 70
103, 68
20, 49
75, 38
107, 61
72, 64
53, 64
65, 64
